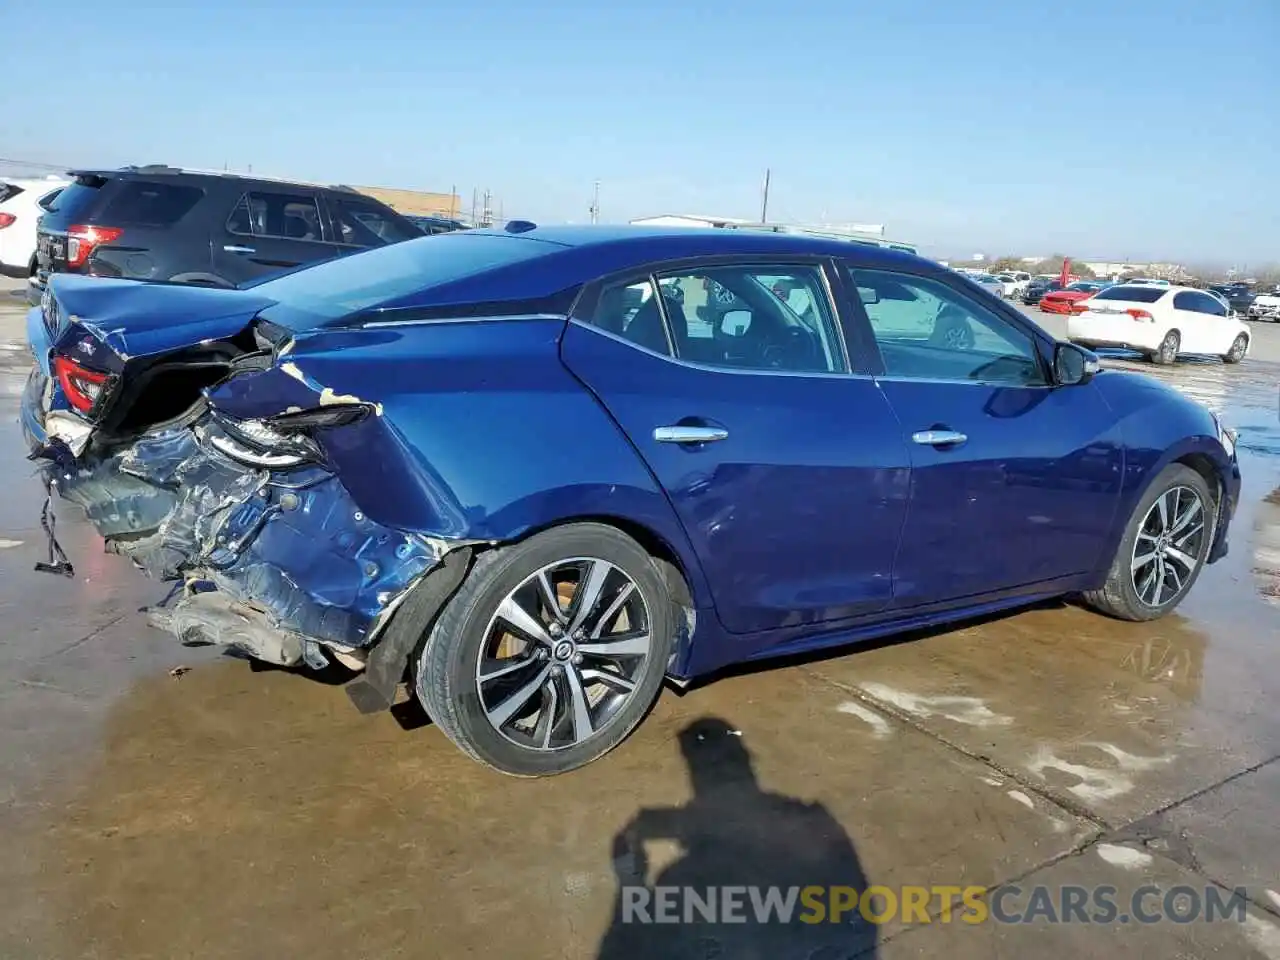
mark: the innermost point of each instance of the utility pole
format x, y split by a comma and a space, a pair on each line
764, 203
595, 204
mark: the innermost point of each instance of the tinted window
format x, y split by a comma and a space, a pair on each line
357, 282
286, 216
1132, 294
773, 318
151, 203
46, 202
926, 330
1207, 304
1185, 301
72, 204
366, 224
630, 310
8, 191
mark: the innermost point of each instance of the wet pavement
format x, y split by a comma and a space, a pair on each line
233, 812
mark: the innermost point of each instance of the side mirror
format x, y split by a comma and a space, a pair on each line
1073, 365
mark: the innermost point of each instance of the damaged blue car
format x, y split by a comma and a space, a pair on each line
535, 472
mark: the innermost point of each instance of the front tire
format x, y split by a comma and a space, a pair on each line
551, 651
1238, 348
1167, 352
1163, 549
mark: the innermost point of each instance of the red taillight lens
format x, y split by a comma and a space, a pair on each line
1139, 314
82, 241
7, 220
82, 387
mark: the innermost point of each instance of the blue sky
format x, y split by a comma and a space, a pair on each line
1138, 128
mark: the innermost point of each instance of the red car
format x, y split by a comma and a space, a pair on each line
1061, 301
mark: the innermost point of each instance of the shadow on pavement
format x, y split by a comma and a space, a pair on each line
732, 834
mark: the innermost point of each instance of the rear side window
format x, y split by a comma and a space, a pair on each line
1132, 294
8, 191
285, 216
149, 203
366, 224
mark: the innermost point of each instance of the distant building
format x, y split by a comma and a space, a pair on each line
422, 203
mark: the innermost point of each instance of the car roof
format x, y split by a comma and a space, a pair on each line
151, 171
580, 254
644, 243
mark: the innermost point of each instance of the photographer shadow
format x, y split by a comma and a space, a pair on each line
732, 835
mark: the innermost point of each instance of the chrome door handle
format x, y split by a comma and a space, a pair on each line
678, 434
232, 248
938, 438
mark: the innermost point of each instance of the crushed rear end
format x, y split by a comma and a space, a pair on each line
198, 451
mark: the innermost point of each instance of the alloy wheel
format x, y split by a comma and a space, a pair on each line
1238, 348
1169, 348
562, 654
1168, 547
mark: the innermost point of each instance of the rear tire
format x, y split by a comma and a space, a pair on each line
1167, 352
533, 691
1238, 348
1162, 552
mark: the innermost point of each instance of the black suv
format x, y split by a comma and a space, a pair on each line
163, 223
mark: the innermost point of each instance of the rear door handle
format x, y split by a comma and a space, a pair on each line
685, 434
938, 438
233, 248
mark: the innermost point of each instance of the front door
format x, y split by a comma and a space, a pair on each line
789, 476
268, 232
1014, 481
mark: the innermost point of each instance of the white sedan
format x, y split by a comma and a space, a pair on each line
1161, 322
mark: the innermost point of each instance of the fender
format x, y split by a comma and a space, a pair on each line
1160, 426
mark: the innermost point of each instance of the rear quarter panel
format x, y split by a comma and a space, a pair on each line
482, 434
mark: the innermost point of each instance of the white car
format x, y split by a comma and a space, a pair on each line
22, 203
1162, 322
1265, 306
1015, 283
988, 282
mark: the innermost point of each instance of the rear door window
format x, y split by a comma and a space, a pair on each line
366, 224
284, 216
149, 203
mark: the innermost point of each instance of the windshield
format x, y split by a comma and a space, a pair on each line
346, 285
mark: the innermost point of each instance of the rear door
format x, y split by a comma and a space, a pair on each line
789, 475
1197, 326
1014, 481
270, 230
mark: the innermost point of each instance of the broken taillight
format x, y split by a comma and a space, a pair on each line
83, 240
81, 385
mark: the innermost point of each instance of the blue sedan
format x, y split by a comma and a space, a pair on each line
535, 471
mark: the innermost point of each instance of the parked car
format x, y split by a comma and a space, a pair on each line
989, 283
212, 229
479, 460
1036, 289
1015, 283
1239, 296
1161, 322
1064, 301
433, 225
1265, 306
22, 203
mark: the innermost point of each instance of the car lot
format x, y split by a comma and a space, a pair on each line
167, 802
